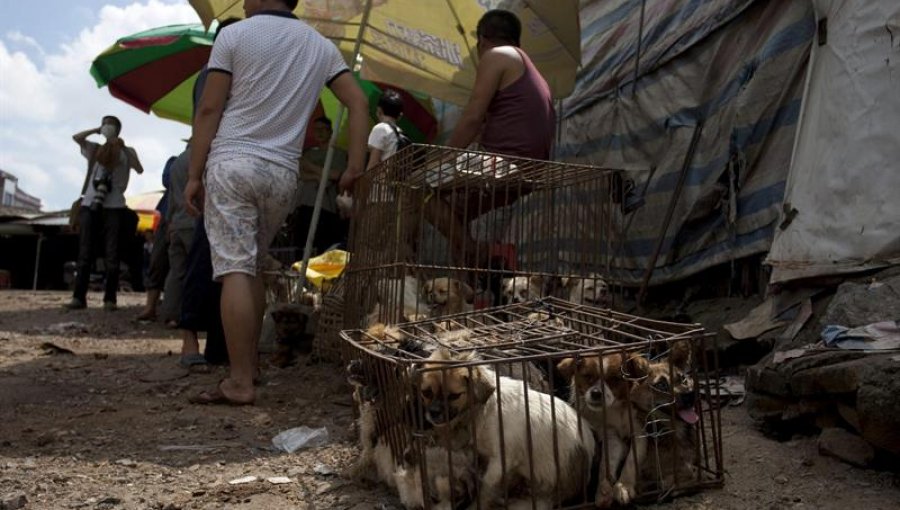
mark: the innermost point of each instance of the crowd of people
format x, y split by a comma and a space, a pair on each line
245, 170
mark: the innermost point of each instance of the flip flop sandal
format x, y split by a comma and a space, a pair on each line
216, 397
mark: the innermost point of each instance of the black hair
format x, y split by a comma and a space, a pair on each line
391, 103
223, 24
323, 120
499, 26
292, 4
112, 119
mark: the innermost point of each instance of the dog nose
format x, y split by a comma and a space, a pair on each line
596, 394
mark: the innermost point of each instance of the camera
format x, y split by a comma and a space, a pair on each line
102, 185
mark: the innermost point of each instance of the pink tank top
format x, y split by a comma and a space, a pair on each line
521, 120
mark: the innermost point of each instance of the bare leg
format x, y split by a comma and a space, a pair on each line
189, 343
465, 251
149, 312
242, 314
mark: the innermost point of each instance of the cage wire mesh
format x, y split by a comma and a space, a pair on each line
539, 404
438, 231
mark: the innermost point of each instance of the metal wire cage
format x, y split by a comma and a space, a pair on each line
490, 409
480, 228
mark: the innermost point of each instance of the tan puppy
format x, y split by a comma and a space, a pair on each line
591, 290
456, 399
447, 296
600, 389
665, 399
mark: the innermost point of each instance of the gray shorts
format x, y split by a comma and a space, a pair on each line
247, 201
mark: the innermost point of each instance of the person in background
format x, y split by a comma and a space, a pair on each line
245, 153
103, 207
200, 295
332, 230
159, 253
180, 237
385, 135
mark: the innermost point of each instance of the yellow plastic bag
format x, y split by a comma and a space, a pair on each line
324, 268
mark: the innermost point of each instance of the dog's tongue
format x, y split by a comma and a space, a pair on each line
689, 415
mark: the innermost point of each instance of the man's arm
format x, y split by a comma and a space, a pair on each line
81, 137
487, 81
349, 93
206, 124
133, 160
374, 157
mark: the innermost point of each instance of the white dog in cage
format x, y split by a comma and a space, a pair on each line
507, 417
399, 300
590, 290
520, 289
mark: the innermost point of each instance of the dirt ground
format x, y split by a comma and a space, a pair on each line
110, 427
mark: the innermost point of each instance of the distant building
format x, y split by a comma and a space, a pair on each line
12, 196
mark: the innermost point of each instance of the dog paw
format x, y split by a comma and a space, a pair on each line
622, 494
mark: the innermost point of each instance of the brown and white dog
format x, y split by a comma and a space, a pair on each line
447, 296
601, 388
665, 397
520, 289
457, 400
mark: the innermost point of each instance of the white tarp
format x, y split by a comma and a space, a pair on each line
844, 183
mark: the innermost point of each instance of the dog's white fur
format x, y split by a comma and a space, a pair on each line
390, 291
590, 290
618, 427
520, 289
575, 441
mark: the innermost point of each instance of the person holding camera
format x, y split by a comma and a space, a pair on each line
102, 207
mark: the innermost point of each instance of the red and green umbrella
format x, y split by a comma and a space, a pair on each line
155, 70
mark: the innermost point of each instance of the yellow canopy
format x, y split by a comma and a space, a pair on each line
429, 45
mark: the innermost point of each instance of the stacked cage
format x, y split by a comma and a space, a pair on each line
438, 231
543, 404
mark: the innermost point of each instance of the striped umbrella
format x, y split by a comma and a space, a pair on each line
155, 70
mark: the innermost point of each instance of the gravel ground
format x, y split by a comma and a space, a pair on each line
109, 427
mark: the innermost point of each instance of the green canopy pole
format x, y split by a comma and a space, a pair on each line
323, 181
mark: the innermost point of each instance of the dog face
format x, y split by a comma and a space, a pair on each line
601, 381
667, 383
520, 289
447, 393
447, 293
592, 290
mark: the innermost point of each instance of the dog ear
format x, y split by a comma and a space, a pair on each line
635, 366
680, 355
567, 367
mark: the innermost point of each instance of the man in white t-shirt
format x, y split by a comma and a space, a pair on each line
265, 75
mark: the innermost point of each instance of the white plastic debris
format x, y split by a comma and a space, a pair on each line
279, 480
246, 479
294, 439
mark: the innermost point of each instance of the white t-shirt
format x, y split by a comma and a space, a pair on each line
119, 176
384, 139
278, 66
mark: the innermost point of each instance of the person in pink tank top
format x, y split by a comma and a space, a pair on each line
510, 112
510, 106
